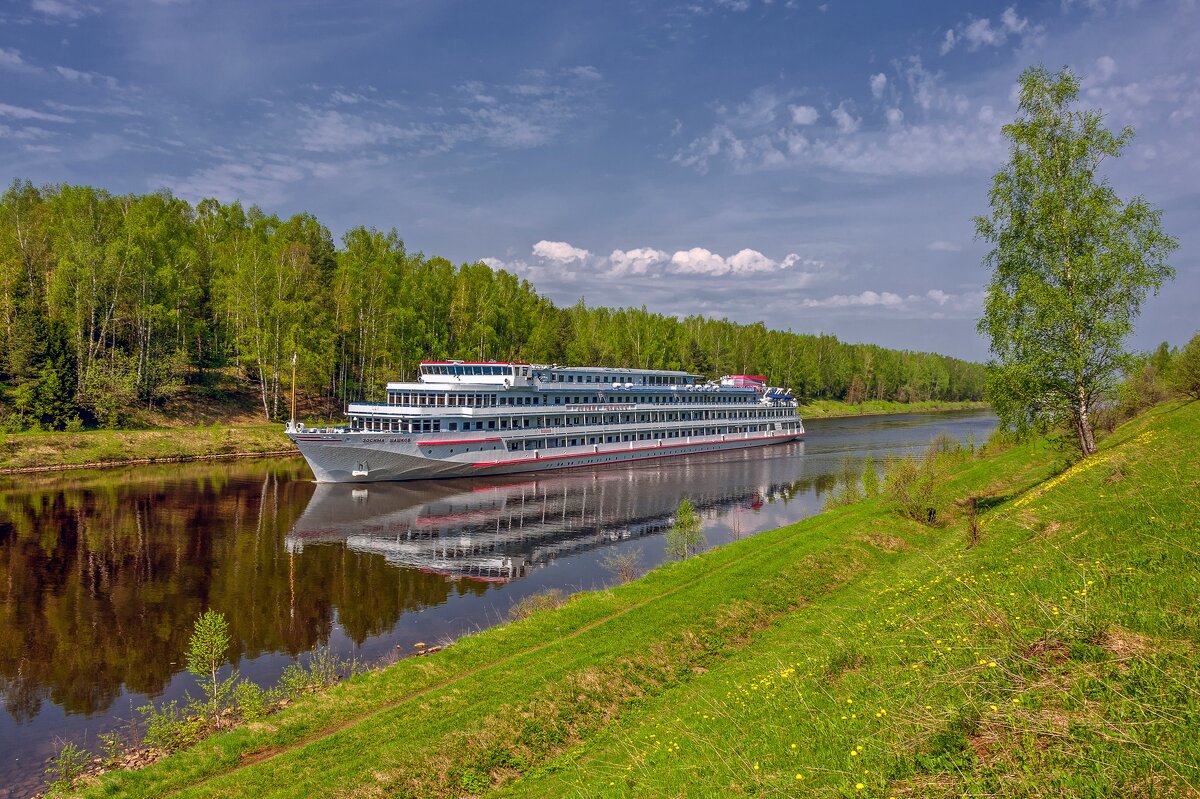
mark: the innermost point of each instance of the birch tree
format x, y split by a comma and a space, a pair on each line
1071, 263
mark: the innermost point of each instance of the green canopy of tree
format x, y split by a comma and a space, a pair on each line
1071, 263
109, 303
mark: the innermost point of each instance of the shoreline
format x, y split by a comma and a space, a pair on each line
734, 622
102, 449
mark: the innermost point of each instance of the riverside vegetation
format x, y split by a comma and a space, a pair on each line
112, 308
1036, 635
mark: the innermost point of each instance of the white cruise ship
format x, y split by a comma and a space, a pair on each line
467, 419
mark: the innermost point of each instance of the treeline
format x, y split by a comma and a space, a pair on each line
113, 303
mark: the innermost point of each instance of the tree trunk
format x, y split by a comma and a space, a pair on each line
1087, 441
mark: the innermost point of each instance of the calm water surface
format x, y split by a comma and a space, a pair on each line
103, 573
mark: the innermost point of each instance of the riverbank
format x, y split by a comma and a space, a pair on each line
24, 453
55, 451
855, 653
830, 409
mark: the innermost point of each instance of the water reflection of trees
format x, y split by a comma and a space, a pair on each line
103, 578
102, 575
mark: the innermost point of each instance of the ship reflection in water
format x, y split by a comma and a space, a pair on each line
496, 531
106, 571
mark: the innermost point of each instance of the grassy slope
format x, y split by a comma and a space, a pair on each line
1057, 656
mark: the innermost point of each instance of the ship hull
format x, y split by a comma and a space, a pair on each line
348, 459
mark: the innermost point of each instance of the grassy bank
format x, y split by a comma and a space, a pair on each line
834, 408
855, 653
57, 450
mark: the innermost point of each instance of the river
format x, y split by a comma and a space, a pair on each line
104, 572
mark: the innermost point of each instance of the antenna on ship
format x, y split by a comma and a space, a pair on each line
292, 422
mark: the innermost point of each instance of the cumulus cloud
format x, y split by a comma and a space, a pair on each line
878, 85
846, 122
559, 251
650, 262
698, 261
636, 262
804, 114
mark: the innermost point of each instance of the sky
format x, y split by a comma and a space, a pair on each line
811, 165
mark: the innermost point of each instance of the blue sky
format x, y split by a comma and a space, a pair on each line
813, 165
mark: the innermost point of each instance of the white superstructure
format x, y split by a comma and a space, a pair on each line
463, 418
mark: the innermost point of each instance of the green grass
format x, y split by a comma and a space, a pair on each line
835, 408
48, 450
1056, 657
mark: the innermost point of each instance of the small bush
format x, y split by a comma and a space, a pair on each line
171, 728
66, 767
625, 566
914, 487
549, 600
250, 700
113, 747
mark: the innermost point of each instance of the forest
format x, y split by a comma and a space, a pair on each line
115, 303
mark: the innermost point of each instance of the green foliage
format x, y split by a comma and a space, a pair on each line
66, 767
250, 700
170, 728
112, 747
114, 303
1071, 263
684, 538
1185, 369
870, 479
206, 654
913, 485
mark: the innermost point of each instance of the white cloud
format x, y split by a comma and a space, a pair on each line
846, 122
17, 112
264, 183
89, 78
335, 131
586, 73
866, 298
878, 85
943, 246
559, 251
804, 114
938, 296
636, 262
11, 59
62, 9
981, 32
1106, 67
698, 261
759, 109
894, 117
